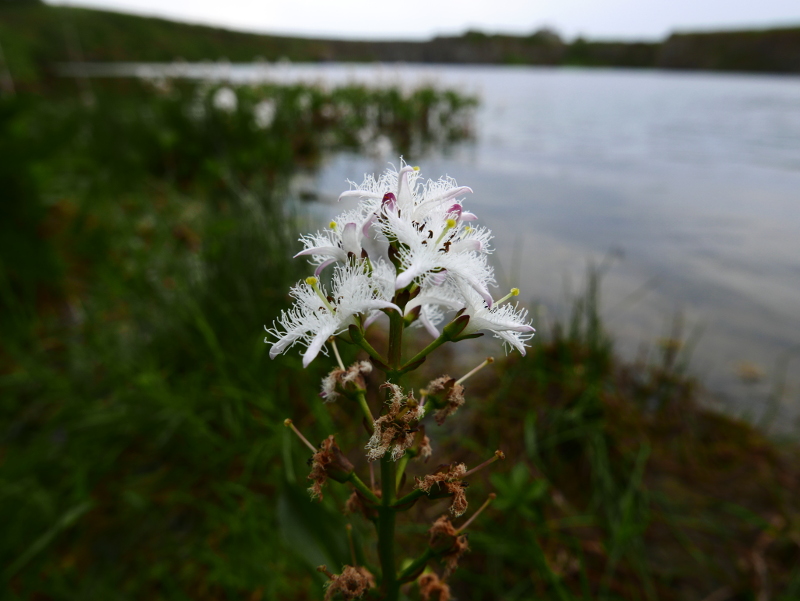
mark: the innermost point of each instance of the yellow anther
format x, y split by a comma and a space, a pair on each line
287, 422
514, 292
314, 283
416, 168
449, 225
332, 225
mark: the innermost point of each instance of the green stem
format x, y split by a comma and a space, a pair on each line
401, 468
364, 489
362, 402
425, 352
396, 326
415, 566
386, 523
370, 351
413, 495
386, 514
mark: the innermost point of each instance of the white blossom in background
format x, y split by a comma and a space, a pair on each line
264, 113
225, 100
304, 102
405, 234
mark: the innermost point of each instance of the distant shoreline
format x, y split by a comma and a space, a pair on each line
35, 37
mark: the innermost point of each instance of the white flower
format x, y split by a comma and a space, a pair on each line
428, 227
507, 322
313, 318
264, 113
433, 300
403, 234
408, 195
225, 100
441, 243
345, 237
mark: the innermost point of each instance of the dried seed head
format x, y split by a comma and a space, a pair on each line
433, 589
397, 428
446, 395
448, 481
328, 462
447, 544
345, 381
352, 583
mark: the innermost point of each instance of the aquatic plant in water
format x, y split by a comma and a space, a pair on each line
411, 252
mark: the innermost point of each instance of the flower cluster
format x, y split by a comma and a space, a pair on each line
405, 235
411, 251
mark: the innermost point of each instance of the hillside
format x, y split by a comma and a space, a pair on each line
34, 37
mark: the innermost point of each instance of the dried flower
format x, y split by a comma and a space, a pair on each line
433, 589
345, 381
328, 462
448, 479
352, 583
446, 542
447, 396
395, 429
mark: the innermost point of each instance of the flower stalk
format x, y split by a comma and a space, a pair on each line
406, 254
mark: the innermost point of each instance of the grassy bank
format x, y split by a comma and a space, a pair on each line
142, 448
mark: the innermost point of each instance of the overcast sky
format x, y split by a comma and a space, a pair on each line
422, 19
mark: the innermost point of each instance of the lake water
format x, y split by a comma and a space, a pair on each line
688, 183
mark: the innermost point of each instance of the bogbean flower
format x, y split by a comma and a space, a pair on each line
404, 235
264, 113
429, 227
441, 244
225, 100
315, 316
344, 238
507, 322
